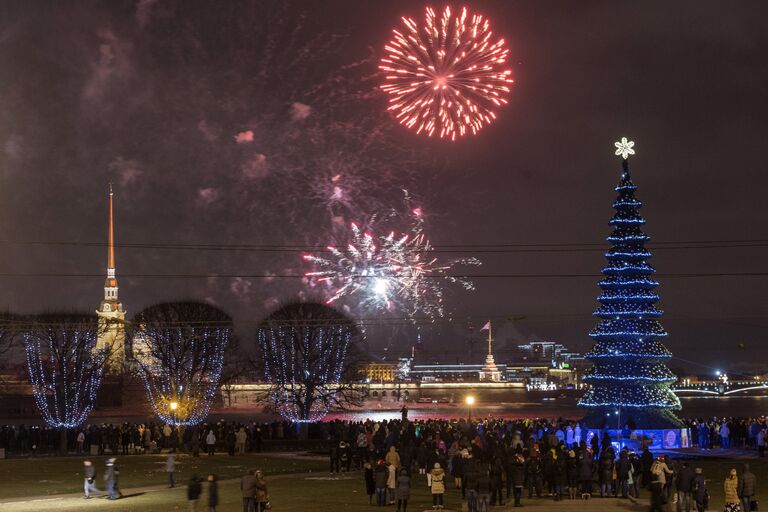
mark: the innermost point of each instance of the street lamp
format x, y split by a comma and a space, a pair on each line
174, 406
470, 402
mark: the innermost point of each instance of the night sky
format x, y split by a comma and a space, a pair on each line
224, 123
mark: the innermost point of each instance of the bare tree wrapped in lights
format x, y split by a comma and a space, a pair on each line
178, 348
310, 355
65, 367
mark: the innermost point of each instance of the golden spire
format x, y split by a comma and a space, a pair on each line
111, 250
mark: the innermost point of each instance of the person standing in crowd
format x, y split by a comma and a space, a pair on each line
470, 483
370, 484
170, 468
646, 461
586, 473
572, 470
685, 480
606, 473
194, 489
213, 493
483, 488
659, 472
635, 470
403, 490
438, 486
89, 485
380, 476
747, 486
210, 441
80, 442
241, 438
518, 476
731, 491
391, 482
622, 473
248, 490
496, 475
262, 493
700, 493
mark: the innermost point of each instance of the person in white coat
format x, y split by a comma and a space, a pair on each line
210, 441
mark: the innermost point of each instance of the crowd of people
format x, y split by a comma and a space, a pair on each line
486, 462
490, 462
240, 437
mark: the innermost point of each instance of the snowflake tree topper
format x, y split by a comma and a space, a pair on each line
624, 148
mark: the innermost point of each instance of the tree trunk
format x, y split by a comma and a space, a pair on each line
63, 441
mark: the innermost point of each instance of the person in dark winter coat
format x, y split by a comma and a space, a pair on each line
685, 482
213, 493
534, 472
747, 486
484, 488
606, 474
622, 473
380, 476
470, 483
646, 461
248, 490
110, 480
700, 493
403, 490
518, 477
572, 468
586, 471
89, 485
370, 484
496, 474
559, 475
194, 489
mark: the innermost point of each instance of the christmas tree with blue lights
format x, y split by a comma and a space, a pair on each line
629, 381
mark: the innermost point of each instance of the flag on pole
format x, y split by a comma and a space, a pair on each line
487, 326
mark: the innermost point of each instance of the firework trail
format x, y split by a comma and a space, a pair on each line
446, 76
397, 272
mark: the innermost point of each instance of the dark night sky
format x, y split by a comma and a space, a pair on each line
151, 95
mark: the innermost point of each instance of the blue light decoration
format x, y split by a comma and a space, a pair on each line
629, 382
178, 349
65, 367
306, 350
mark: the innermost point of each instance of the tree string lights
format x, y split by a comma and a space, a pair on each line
629, 371
389, 272
65, 368
179, 351
447, 76
310, 360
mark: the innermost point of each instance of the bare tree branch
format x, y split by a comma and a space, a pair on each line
178, 350
310, 355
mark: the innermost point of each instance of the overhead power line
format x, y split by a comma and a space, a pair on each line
437, 248
434, 276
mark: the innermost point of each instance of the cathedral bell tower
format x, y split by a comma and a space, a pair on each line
111, 313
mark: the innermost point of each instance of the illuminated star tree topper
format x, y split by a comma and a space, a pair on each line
624, 148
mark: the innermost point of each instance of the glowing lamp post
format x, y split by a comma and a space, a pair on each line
470, 402
174, 406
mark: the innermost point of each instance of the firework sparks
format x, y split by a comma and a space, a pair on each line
396, 272
446, 76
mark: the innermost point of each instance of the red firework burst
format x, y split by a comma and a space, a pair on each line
446, 76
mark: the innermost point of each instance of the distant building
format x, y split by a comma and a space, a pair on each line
379, 372
111, 313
